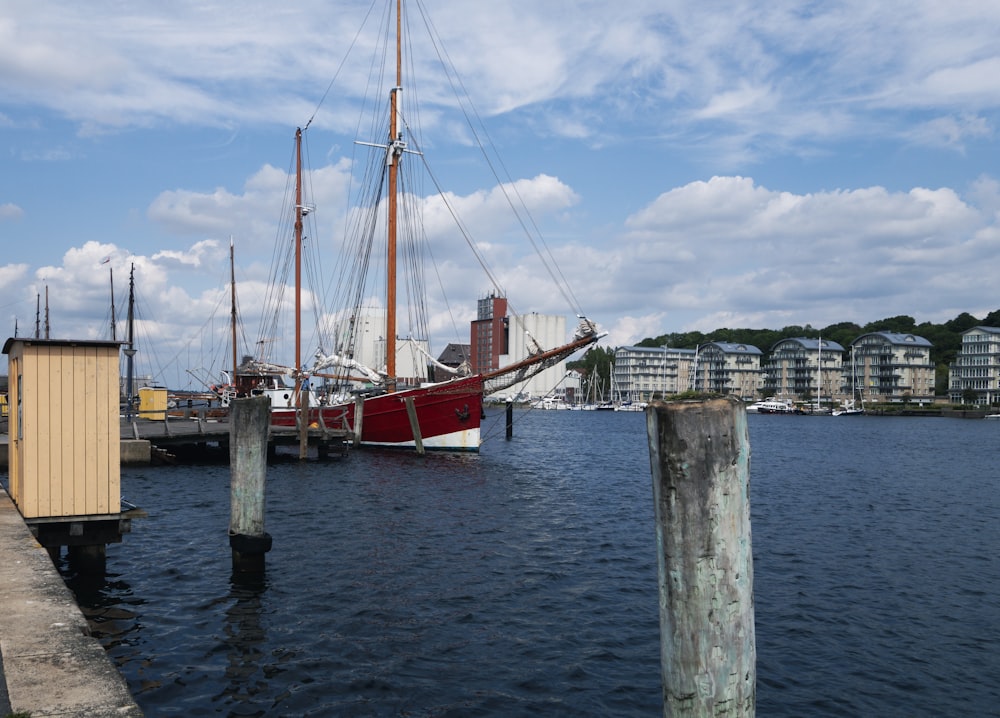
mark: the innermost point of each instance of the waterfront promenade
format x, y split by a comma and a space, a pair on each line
49, 663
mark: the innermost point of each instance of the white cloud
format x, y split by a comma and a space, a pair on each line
10, 211
953, 131
767, 67
715, 247
833, 105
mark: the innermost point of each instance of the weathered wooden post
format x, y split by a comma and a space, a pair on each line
249, 420
303, 420
510, 419
359, 417
411, 412
699, 453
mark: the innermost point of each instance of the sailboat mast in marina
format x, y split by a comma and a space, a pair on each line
377, 404
394, 157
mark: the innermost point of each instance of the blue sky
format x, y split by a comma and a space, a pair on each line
692, 165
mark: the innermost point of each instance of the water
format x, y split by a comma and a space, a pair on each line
522, 581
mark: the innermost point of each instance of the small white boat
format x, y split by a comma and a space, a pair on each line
771, 406
631, 406
848, 409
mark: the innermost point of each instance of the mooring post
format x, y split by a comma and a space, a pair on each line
699, 453
249, 420
303, 420
510, 419
411, 412
359, 417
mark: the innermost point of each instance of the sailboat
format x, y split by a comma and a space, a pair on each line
375, 403
850, 408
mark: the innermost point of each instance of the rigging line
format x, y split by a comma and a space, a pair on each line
201, 329
349, 225
140, 324
281, 261
340, 67
450, 73
463, 230
495, 430
440, 281
414, 241
314, 262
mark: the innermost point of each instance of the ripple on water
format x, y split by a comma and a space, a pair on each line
522, 581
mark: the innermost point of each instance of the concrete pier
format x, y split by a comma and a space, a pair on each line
50, 663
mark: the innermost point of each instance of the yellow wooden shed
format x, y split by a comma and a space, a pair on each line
64, 427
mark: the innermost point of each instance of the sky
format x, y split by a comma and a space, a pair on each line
690, 165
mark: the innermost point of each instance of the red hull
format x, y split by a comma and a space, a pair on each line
448, 416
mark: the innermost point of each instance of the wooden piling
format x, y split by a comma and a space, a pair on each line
700, 460
510, 419
249, 420
359, 417
303, 421
90, 559
411, 412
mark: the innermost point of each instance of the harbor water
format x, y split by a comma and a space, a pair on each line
522, 580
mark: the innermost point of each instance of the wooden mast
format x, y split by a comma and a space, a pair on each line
130, 345
232, 304
396, 146
298, 261
114, 329
300, 397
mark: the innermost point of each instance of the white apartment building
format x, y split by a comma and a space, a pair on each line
976, 369
647, 373
891, 367
797, 368
728, 368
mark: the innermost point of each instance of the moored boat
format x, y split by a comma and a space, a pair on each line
771, 406
383, 404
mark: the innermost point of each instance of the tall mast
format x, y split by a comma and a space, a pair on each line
130, 344
819, 372
232, 303
298, 259
396, 146
114, 329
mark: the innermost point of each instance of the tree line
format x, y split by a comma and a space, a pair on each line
946, 341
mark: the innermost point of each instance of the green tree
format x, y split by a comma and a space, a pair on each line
992, 319
901, 325
961, 323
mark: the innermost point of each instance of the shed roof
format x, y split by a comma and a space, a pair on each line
455, 354
29, 341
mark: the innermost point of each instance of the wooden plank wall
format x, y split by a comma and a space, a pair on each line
67, 458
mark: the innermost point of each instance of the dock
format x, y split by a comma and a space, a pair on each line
197, 437
49, 662
199, 434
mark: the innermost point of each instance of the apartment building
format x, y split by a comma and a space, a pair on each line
975, 373
800, 368
892, 367
647, 373
728, 368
